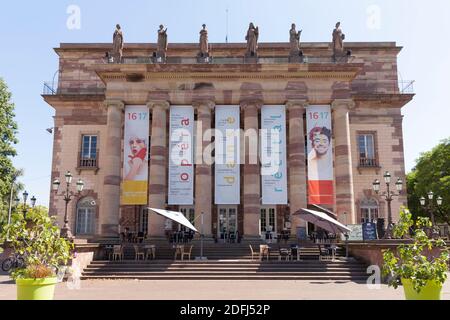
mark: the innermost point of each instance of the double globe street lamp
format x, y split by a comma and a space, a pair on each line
25, 206
430, 208
389, 196
68, 195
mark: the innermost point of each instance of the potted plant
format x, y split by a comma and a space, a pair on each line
37, 239
421, 265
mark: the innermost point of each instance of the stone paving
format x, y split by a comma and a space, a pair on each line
216, 290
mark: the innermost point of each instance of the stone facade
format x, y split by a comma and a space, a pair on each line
363, 93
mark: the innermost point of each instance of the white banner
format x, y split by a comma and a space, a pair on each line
273, 155
181, 152
320, 155
227, 159
135, 161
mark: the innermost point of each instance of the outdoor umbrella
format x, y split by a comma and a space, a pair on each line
322, 220
175, 216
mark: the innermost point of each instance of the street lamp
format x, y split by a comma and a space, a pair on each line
25, 198
33, 201
430, 208
389, 196
68, 195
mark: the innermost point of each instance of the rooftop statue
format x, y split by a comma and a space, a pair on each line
338, 41
117, 52
252, 40
204, 47
162, 42
295, 40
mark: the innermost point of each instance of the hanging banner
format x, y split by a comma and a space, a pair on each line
320, 155
273, 155
181, 153
227, 155
135, 162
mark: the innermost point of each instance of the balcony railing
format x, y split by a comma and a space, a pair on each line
73, 87
85, 163
368, 163
231, 60
406, 86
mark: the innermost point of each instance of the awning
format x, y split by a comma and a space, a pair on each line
322, 220
175, 216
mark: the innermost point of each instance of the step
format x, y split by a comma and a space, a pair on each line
361, 279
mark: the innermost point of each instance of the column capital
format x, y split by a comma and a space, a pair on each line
158, 103
115, 103
248, 103
297, 104
204, 103
343, 104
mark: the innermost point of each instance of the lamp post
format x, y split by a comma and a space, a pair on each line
25, 206
430, 208
389, 196
68, 195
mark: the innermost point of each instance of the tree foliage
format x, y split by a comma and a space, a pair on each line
432, 173
8, 132
37, 239
416, 261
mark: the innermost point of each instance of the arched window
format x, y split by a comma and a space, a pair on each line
85, 216
369, 210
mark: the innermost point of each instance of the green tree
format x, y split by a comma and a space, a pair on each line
8, 132
432, 173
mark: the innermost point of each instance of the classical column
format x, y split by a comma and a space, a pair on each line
203, 170
252, 170
109, 219
345, 198
297, 162
158, 166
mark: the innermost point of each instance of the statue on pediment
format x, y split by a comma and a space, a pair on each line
338, 41
117, 51
203, 43
294, 40
162, 43
252, 40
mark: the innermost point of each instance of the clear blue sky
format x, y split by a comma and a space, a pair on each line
31, 29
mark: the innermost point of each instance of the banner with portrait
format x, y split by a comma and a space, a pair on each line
320, 155
181, 154
135, 162
227, 155
273, 155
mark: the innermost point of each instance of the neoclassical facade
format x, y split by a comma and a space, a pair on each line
362, 92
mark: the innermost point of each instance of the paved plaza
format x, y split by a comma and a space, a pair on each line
216, 290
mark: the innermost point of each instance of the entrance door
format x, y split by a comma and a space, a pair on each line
227, 231
189, 213
143, 221
268, 221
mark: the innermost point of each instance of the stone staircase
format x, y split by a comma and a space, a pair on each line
228, 262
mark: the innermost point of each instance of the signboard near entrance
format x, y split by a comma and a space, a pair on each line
369, 231
356, 234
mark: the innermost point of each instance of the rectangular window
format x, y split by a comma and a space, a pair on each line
366, 146
88, 153
89, 147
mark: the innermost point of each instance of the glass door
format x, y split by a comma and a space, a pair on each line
189, 213
228, 231
267, 224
